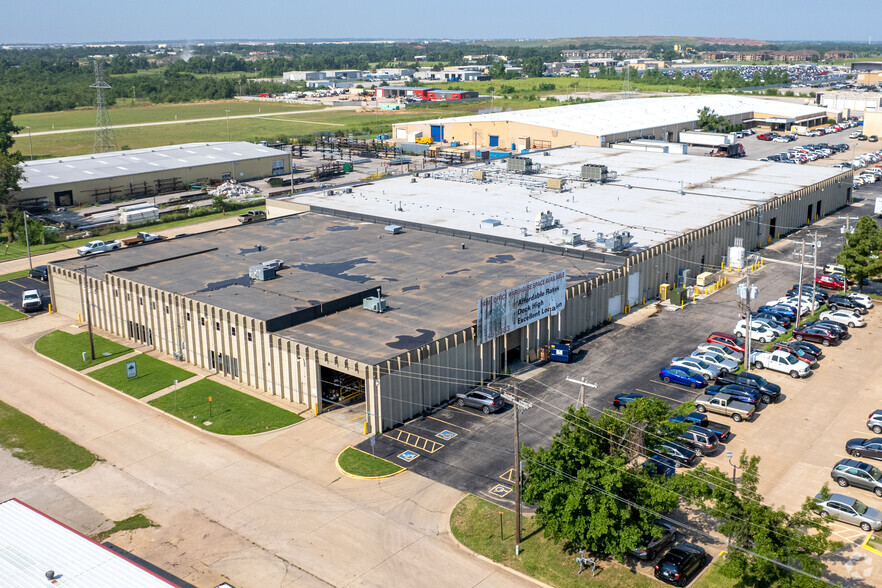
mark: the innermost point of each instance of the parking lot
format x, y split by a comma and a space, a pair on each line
799, 438
11, 291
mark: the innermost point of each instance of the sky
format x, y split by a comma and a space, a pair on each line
64, 21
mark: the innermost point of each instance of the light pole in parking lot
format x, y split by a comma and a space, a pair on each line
27, 239
729, 456
747, 294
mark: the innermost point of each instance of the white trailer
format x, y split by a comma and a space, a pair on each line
707, 139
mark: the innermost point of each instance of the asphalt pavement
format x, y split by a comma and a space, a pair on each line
11, 291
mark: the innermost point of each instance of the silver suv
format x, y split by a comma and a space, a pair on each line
851, 472
850, 510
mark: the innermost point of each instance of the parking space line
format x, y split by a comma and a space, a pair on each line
660, 396
358, 416
508, 476
413, 440
674, 386
451, 424
466, 412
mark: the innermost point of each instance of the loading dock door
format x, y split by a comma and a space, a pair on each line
772, 227
437, 133
615, 305
633, 288
494, 140
64, 198
340, 389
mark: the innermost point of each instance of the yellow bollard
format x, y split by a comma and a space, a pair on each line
365, 427
610, 317
725, 280
79, 320
762, 262
315, 408
644, 300
50, 308
681, 304
721, 267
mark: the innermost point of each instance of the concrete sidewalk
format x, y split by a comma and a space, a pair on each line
278, 492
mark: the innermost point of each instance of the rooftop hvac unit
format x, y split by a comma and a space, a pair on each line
618, 241
545, 221
347, 190
273, 264
478, 174
554, 184
374, 303
573, 239
394, 229
523, 165
595, 172
261, 273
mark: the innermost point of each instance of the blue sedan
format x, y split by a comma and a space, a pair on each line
781, 310
681, 375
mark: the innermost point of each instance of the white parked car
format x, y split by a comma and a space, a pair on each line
863, 299
735, 356
702, 367
725, 364
834, 268
758, 331
844, 317
780, 361
758, 324
806, 301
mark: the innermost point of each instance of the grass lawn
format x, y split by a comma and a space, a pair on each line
475, 523
153, 375
138, 521
82, 118
38, 444
714, 578
68, 349
16, 250
13, 275
230, 412
359, 463
9, 314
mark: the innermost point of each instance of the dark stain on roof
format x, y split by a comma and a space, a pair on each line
409, 342
338, 270
501, 258
240, 281
409, 288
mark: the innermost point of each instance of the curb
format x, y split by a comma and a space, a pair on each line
357, 477
459, 545
866, 545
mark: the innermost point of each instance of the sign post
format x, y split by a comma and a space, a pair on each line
131, 370
209, 407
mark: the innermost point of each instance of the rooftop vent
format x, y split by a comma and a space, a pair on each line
573, 238
374, 303
394, 229
618, 241
261, 273
273, 264
490, 222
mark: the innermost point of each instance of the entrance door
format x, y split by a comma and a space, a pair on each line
809, 213
437, 133
64, 198
772, 227
818, 209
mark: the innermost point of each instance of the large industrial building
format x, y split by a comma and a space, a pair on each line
436, 252
138, 173
600, 124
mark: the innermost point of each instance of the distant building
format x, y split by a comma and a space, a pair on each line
839, 54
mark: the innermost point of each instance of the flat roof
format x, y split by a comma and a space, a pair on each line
621, 116
431, 282
644, 199
98, 166
32, 543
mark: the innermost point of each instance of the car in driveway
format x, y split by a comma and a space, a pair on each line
816, 334
680, 564
708, 371
31, 301
621, 400
874, 422
863, 299
659, 465
726, 340
850, 510
829, 282
808, 348
835, 328
681, 375
719, 349
720, 430
719, 361
834, 268
838, 301
871, 448
775, 320
851, 472
679, 453
486, 399
651, 545
843, 317
39, 272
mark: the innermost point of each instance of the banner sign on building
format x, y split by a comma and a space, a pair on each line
512, 309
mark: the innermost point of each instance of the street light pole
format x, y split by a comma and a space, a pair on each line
88, 309
27, 240
729, 456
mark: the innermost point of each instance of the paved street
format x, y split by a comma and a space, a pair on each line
264, 510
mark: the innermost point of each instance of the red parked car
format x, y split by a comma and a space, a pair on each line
764, 137
727, 340
816, 335
829, 282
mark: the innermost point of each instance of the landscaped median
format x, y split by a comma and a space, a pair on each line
9, 314
152, 375
489, 530
358, 464
220, 409
68, 349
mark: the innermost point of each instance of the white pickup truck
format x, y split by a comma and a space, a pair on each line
780, 361
93, 247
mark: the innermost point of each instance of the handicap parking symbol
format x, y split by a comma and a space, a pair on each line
500, 490
446, 435
408, 455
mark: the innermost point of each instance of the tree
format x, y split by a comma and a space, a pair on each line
798, 540
534, 67
11, 170
860, 253
587, 488
708, 120
497, 70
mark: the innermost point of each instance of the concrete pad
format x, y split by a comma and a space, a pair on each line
350, 546
255, 568
135, 442
110, 490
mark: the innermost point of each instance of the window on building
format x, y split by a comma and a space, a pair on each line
217, 326
166, 310
202, 320
249, 337
140, 301
233, 331
128, 297
153, 305
188, 317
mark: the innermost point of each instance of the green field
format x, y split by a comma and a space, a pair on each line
36, 443
153, 375
145, 113
13, 275
230, 412
9, 314
359, 463
68, 349
17, 250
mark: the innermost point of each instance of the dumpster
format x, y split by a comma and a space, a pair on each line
561, 351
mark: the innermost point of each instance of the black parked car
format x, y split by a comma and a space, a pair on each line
681, 564
652, 545
839, 301
737, 392
871, 448
807, 347
40, 272
679, 453
770, 392
622, 399
832, 326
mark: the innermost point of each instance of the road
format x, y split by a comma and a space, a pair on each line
285, 514
191, 120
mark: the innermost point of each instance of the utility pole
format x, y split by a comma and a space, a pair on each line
747, 292
582, 383
799, 291
815, 247
27, 240
517, 474
88, 308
